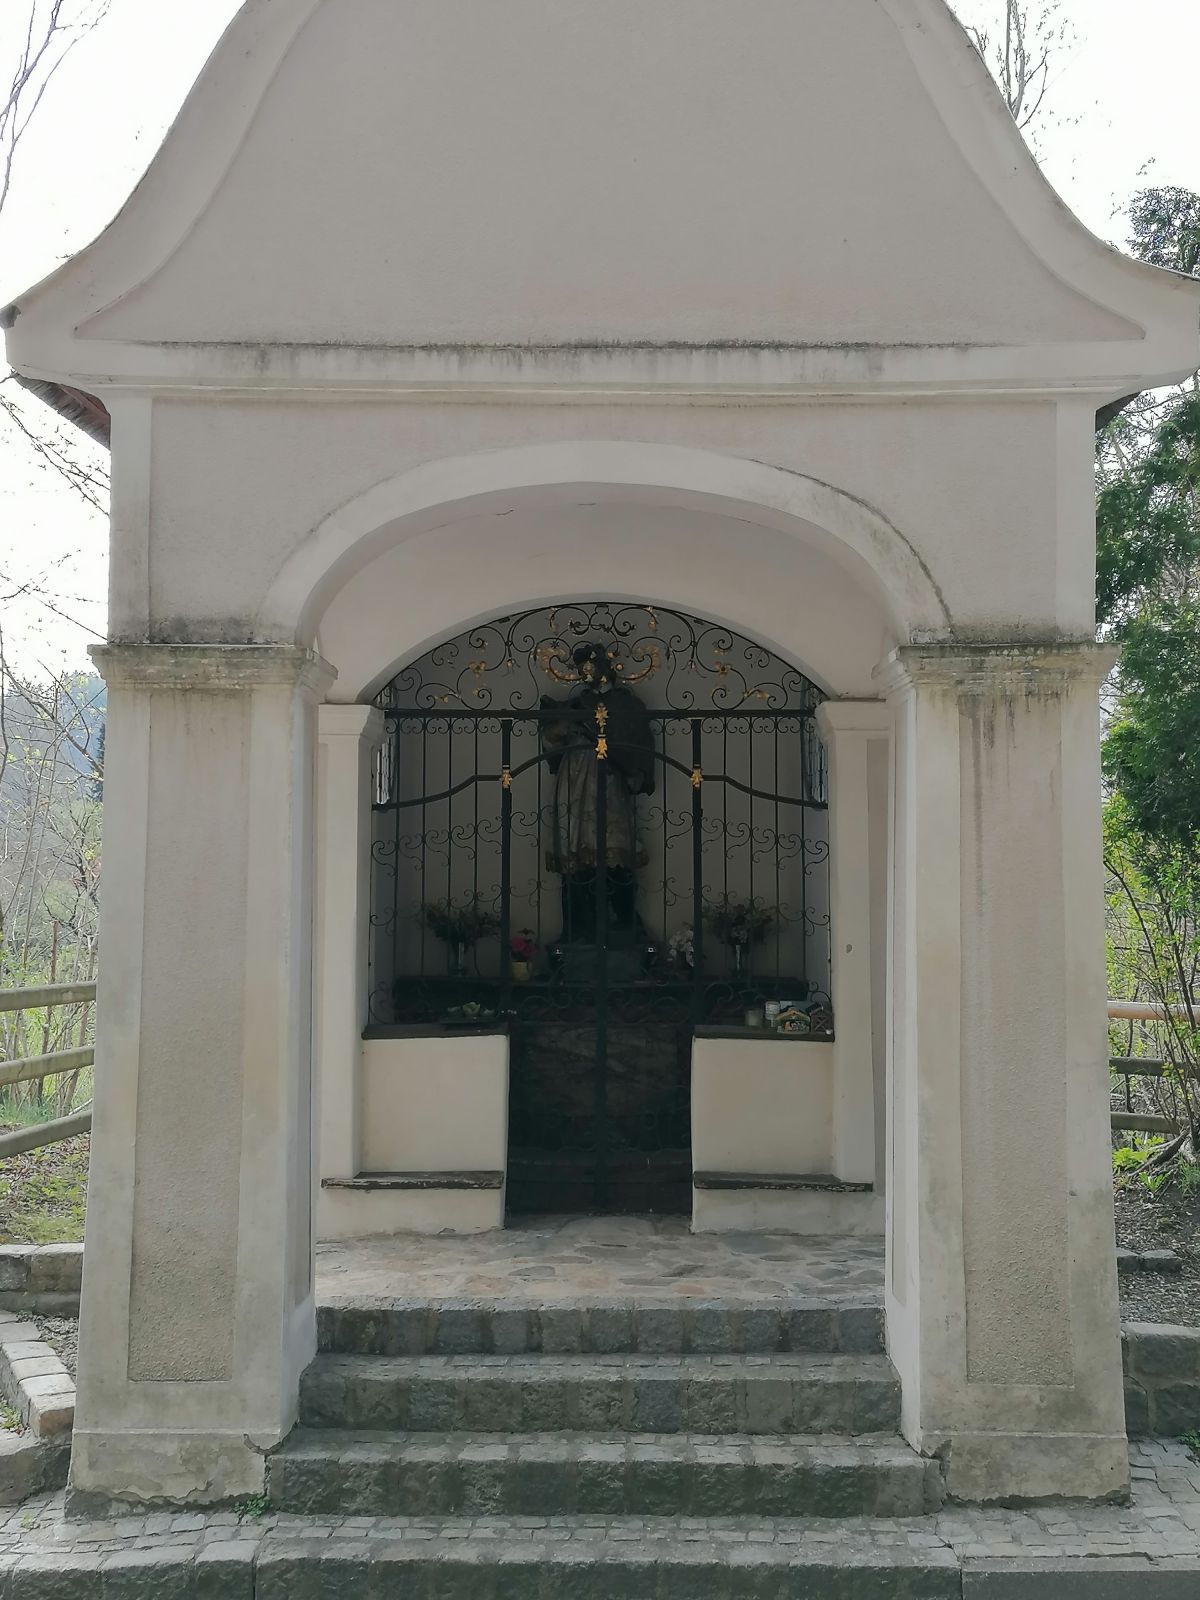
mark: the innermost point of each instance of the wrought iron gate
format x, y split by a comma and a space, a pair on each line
520, 821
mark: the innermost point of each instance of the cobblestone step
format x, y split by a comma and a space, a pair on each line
326, 1472
534, 1565
781, 1394
852, 1326
30, 1466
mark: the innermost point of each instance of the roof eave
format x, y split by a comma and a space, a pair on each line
82, 410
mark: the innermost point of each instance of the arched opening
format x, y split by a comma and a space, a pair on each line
600, 829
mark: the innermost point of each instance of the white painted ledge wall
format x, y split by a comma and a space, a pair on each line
768, 1106
426, 1105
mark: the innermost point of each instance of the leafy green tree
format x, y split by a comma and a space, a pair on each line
1148, 599
1148, 573
1165, 229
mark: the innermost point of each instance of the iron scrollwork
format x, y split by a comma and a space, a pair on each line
464, 810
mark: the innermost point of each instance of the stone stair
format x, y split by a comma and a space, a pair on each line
688, 1409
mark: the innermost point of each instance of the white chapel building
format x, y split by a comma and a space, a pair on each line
603, 691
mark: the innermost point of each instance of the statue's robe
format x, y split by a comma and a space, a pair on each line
627, 771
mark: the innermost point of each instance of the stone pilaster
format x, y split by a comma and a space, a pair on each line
856, 734
1001, 1284
197, 1308
347, 739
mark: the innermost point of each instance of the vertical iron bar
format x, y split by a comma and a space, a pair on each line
506, 809
394, 737
663, 734
476, 840
725, 805
697, 874
778, 866
540, 857
424, 832
750, 812
600, 1178
450, 826
804, 847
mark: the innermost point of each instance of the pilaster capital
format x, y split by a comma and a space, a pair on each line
213, 668
997, 670
364, 724
868, 719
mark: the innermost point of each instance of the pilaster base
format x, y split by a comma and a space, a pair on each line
1027, 1468
166, 1468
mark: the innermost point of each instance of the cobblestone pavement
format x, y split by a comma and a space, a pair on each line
598, 1258
1162, 1523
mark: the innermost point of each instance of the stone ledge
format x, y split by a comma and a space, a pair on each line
33, 1379
1162, 1379
1160, 1261
45, 1278
528, 1564
30, 1466
420, 1182
1072, 1578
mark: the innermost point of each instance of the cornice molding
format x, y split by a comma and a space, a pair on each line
213, 668
997, 669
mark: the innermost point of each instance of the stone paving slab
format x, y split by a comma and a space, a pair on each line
596, 1259
1147, 1551
34, 1380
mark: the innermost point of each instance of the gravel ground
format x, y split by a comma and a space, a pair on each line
1160, 1222
62, 1335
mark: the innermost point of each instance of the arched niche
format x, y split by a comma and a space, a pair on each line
468, 802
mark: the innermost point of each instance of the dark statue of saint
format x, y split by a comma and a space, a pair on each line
626, 770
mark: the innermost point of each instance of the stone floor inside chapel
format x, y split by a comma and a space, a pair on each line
603, 1260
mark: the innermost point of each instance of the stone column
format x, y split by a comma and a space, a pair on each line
198, 1305
347, 739
852, 730
1001, 1275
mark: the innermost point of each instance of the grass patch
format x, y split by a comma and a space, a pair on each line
256, 1506
43, 1194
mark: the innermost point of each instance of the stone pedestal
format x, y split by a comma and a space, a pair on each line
1001, 1275
197, 1308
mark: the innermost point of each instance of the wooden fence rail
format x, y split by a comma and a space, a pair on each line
50, 994
60, 994
1129, 1067
29, 1068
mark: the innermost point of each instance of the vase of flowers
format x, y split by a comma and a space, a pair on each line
460, 927
522, 953
740, 925
681, 948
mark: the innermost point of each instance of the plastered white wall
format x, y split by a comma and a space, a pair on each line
689, 171
762, 1105
435, 1104
235, 489
355, 1214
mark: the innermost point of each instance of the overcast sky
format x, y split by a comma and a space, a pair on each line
1124, 97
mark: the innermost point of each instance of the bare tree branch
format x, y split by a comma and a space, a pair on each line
1021, 62
52, 30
